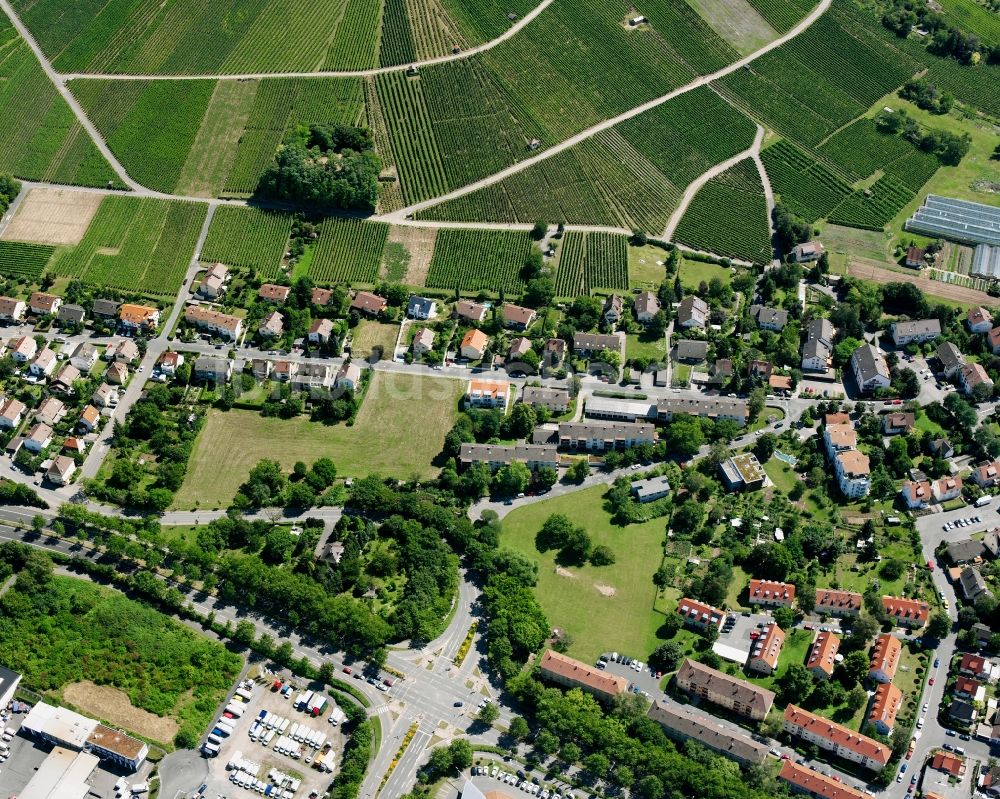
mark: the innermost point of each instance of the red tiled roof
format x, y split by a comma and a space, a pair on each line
845, 738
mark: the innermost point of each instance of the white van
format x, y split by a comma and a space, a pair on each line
140, 787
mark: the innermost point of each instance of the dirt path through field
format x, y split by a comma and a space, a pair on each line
53, 216
114, 706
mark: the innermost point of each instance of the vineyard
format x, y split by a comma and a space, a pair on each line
479, 260
23, 261
590, 261
861, 149
397, 40
252, 238
356, 43
483, 20
140, 245
874, 208
782, 14
728, 216
805, 186
40, 139
348, 250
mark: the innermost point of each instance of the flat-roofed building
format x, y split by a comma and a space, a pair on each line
823, 654
572, 673
743, 472
116, 746
741, 697
618, 410
9, 681
650, 489
58, 725
64, 774
832, 737
771, 593
683, 723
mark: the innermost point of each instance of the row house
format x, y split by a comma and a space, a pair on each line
604, 436
771, 594
682, 724
714, 408
885, 658
823, 654
915, 331
834, 602
905, 612
836, 738
815, 784
728, 692
534, 456
214, 322
566, 671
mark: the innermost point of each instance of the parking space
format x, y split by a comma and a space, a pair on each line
508, 779
737, 635
286, 736
934, 527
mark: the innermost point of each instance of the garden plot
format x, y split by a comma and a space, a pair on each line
53, 216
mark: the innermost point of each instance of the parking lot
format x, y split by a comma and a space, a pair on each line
931, 526
509, 779
273, 756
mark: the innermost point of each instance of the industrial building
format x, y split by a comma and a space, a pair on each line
68, 729
956, 220
62, 775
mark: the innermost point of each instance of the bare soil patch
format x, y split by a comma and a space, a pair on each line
53, 216
419, 242
949, 291
114, 706
565, 572
605, 590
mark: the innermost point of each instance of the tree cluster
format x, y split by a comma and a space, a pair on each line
9, 189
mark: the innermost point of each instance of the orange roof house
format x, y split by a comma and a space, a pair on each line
822, 655
572, 673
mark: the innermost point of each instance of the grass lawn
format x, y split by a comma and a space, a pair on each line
843, 243
643, 269
573, 600
693, 272
681, 374
928, 425
639, 346
383, 439
767, 416
797, 643
368, 335
782, 475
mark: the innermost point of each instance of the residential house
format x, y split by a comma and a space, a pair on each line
105, 309
51, 411
367, 303
993, 340
320, 297
699, 614
759, 368
470, 311
834, 602
44, 363
11, 413
487, 393
516, 317
612, 309
212, 369
474, 344
423, 342
914, 331
769, 318
64, 379
215, 322
832, 737
106, 396
566, 671
71, 315
421, 308
915, 257
942, 448
122, 349
805, 252
309, 377
870, 370
260, 368
823, 655
117, 374
981, 633
898, 423
214, 283
139, 317
90, 418
721, 370
23, 349
986, 474
646, 306
972, 375
968, 550
38, 437
991, 540
519, 347
950, 357
284, 371
272, 292
715, 408
916, 494
731, 693
683, 723
979, 320
967, 688
553, 353
975, 666
771, 594
948, 762
555, 400
585, 344
604, 436
61, 470
349, 376
765, 650
169, 361
271, 326
534, 456
650, 489
817, 350
691, 350
84, 357
853, 473
906, 612
12, 310
780, 384
692, 312
320, 331
963, 712
972, 584
885, 658
885, 706
817, 785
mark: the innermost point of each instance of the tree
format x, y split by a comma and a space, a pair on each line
939, 625
245, 632
488, 714
855, 666
684, 436
578, 471
666, 656
784, 618
765, 446
755, 403
602, 555
512, 479
546, 477
857, 697
540, 228
519, 728
796, 684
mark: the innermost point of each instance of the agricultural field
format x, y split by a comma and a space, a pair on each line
807, 187
41, 139
728, 216
973, 18
738, 22
134, 244
53, 216
860, 149
252, 238
874, 208
591, 261
395, 405
23, 261
479, 260
348, 250
782, 14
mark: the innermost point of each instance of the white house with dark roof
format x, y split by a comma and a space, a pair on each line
870, 370
914, 331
